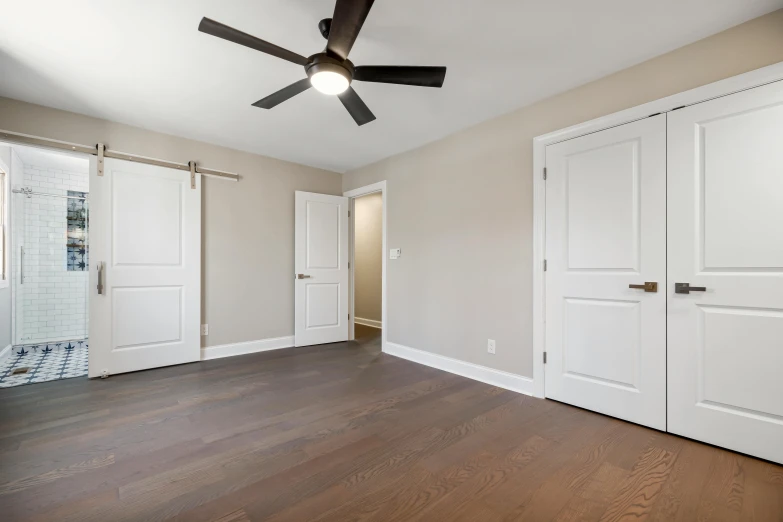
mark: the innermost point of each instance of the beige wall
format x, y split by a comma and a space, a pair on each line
248, 227
461, 208
368, 222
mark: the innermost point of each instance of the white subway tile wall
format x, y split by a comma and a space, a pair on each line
52, 301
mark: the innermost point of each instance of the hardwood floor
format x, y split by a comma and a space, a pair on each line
343, 432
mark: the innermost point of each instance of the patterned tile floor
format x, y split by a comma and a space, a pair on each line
47, 362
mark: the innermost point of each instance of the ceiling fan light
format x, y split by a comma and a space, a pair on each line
329, 82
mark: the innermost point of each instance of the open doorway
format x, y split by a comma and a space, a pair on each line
367, 268
368, 264
47, 265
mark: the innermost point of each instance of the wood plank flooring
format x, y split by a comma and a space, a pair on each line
343, 432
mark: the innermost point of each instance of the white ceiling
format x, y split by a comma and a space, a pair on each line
143, 62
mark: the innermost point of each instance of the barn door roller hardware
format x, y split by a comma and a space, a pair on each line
102, 151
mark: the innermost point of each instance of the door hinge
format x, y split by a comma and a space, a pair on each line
544, 173
349, 213
349, 317
544, 357
544, 265
349, 265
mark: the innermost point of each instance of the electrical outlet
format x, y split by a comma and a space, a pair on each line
395, 253
204, 329
491, 346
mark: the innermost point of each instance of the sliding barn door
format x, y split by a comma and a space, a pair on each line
725, 243
606, 238
145, 267
321, 265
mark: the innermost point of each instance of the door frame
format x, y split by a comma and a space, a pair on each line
352, 195
5, 188
725, 87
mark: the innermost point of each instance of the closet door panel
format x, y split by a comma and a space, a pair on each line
605, 231
725, 241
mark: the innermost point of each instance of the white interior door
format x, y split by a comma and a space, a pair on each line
145, 234
606, 230
321, 265
725, 206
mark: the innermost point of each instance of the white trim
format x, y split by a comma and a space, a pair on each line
5, 352
501, 379
539, 253
749, 80
355, 193
742, 82
372, 323
231, 349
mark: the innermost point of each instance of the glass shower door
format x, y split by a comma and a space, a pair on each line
51, 248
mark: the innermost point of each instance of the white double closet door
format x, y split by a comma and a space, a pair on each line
691, 200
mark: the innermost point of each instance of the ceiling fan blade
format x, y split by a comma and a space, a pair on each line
347, 21
283, 94
401, 74
359, 111
233, 35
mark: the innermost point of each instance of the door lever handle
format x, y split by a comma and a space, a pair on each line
648, 286
686, 288
303, 276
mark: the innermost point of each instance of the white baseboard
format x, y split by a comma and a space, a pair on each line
498, 378
372, 323
5, 352
262, 345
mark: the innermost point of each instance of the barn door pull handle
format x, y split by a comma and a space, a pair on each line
100, 277
649, 286
686, 288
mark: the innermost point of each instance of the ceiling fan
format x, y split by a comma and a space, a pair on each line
330, 71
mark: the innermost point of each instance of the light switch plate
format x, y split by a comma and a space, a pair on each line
204, 329
395, 253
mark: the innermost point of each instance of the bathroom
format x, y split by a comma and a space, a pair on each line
47, 263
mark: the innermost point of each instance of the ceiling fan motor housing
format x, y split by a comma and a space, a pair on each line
323, 62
